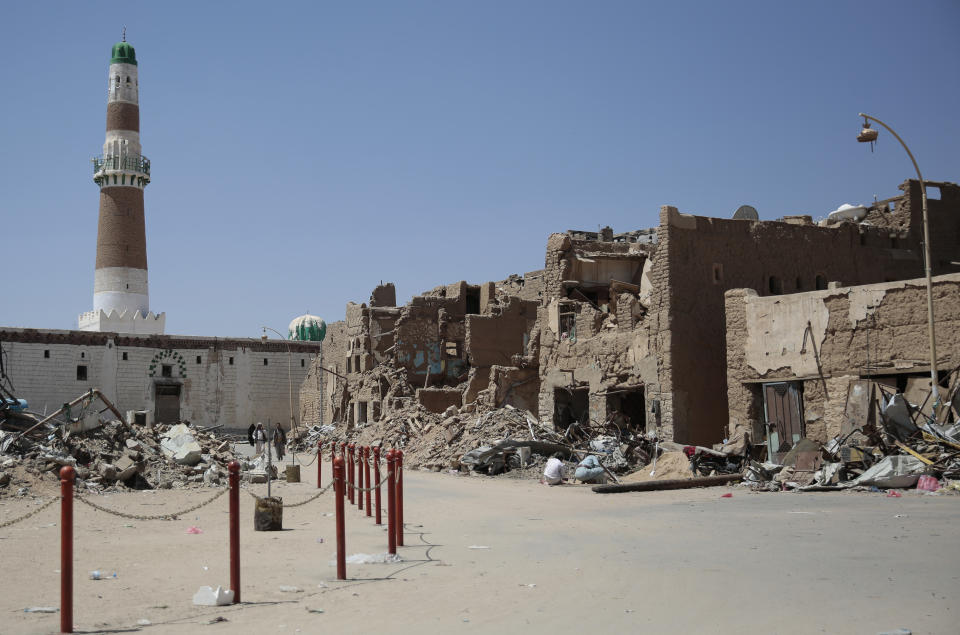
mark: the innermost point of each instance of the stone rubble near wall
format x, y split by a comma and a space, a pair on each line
178, 444
115, 455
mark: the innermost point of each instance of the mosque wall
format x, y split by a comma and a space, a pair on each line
207, 381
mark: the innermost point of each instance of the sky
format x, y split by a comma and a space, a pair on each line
303, 152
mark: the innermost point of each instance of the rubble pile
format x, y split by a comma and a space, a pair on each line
488, 440
910, 447
113, 454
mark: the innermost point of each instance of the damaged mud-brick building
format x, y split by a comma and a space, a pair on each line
631, 322
624, 330
439, 350
817, 365
207, 381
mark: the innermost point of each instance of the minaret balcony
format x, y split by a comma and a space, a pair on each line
136, 166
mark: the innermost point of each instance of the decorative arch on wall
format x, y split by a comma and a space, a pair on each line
168, 356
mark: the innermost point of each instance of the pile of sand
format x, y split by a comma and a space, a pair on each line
670, 465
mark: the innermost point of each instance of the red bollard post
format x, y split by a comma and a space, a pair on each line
376, 478
391, 502
234, 470
360, 477
350, 480
339, 484
343, 453
399, 456
366, 475
319, 462
67, 475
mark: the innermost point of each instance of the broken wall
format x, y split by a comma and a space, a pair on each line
494, 339
825, 339
595, 333
708, 256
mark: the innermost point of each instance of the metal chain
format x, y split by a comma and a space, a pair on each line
303, 502
50, 502
170, 516
310, 463
369, 489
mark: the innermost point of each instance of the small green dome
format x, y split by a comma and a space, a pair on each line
307, 328
123, 53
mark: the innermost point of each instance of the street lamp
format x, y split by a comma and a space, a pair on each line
869, 135
293, 421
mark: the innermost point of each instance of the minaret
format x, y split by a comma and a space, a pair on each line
120, 298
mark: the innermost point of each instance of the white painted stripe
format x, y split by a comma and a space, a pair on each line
123, 90
120, 289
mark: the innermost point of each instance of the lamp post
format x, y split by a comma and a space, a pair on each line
293, 421
869, 135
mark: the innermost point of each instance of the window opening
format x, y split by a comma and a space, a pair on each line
453, 349
821, 282
81, 373
568, 321
166, 370
776, 287
46, 354
124, 357
473, 301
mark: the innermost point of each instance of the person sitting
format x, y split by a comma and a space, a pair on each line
589, 470
554, 472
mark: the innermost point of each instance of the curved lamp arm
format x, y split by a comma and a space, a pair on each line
926, 259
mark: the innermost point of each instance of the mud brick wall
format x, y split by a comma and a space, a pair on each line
318, 391
495, 339
750, 253
855, 331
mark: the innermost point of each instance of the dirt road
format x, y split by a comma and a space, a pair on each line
558, 559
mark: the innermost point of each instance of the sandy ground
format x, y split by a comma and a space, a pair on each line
556, 559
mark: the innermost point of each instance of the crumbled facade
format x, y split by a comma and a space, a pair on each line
625, 329
437, 350
811, 365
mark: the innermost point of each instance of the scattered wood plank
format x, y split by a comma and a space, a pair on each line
652, 486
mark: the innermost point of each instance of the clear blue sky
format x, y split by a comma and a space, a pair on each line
304, 152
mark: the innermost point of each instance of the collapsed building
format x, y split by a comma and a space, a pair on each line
625, 330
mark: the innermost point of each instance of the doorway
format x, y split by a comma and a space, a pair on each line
168, 403
784, 417
570, 406
627, 410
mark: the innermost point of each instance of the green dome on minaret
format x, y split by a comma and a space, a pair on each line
123, 53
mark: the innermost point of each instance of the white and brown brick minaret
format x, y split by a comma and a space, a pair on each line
120, 297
